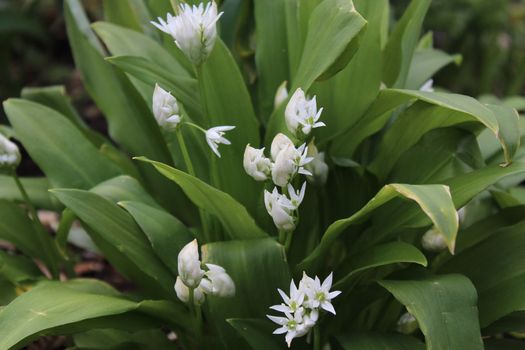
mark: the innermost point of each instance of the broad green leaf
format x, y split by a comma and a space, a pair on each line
113, 338
129, 119
121, 13
55, 98
434, 200
124, 188
257, 333
36, 188
124, 42
509, 128
426, 63
251, 264
401, 44
53, 305
18, 268
379, 341
445, 308
385, 254
330, 41
496, 267
234, 217
228, 103
166, 234
48, 137
17, 228
183, 88
347, 95
271, 55
120, 239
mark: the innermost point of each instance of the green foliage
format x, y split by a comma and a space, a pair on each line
401, 164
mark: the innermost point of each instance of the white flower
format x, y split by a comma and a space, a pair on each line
292, 303
427, 86
289, 162
280, 95
301, 309
317, 166
183, 292
293, 325
279, 142
296, 198
193, 29
165, 108
189, 265
217, 282
280, 209
301, 114
433, 241
9, 154
318, 295
214, 137
256, 164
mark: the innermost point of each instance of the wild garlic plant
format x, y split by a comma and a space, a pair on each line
252, 144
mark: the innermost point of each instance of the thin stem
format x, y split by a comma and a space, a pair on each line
191, 171
288, 243
317, 338
50, 256
185, 154
195, 126
282, 236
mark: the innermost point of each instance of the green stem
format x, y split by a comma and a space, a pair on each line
288, 243
49, 254
317, 338
282, 236
191, 171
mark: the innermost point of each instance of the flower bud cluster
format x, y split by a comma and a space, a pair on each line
192, 278
302, 307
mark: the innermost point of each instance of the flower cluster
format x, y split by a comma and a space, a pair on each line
302, 307
194, 30
301, 114
194, 282
168, 115
9, 154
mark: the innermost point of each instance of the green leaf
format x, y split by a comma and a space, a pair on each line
166, 234
16, 227
445, 308
121, 13
130, 121
357, 85
36, 188
251, 264
402, 43
434, 200
257, 333
271, 56
48, 137
385, 254
37, 311
152, 62
120, 239
329, 45
228, 103
379, 341
124, 188
18, 268
496, 267
236, 220
425, 64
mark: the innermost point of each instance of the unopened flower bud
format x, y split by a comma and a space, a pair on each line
301, 114
407, 323
433, 241
189, 265
165, 108
280, 95
317, 166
